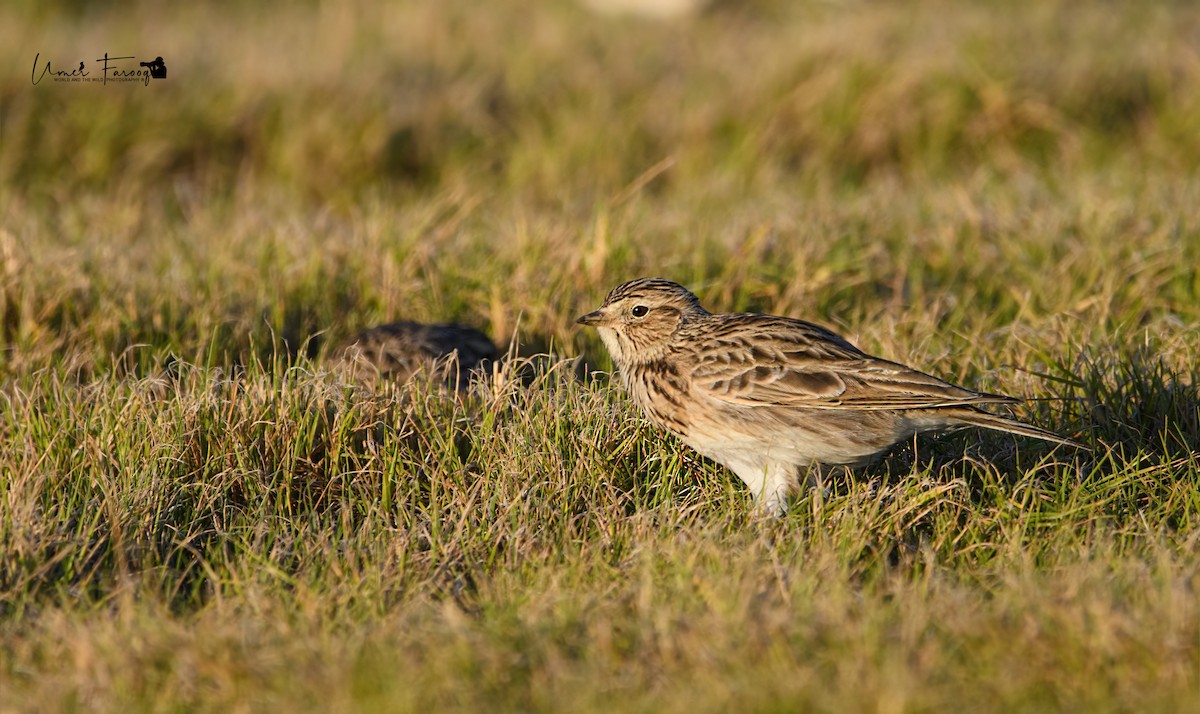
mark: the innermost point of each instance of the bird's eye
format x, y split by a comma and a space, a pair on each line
640, 310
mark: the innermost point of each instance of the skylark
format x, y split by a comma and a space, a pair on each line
399, 350
769, 396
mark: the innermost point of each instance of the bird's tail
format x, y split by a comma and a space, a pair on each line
987, 420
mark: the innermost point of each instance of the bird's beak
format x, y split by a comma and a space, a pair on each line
592, 319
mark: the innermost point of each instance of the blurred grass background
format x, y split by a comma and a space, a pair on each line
1003, 193
327, 165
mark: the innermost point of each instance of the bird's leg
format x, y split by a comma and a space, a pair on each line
773, 507
814, 477
773, 491
817, 477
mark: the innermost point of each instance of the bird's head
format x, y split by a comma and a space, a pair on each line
639, 319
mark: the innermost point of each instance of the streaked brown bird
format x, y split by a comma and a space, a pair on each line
769, 396
397, 351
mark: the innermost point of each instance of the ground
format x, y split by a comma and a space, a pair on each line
196, 515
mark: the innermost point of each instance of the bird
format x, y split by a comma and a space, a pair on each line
768, 397
397, 351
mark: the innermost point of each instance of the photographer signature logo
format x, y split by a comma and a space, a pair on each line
110, 69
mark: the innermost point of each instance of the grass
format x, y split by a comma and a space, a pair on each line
195, 515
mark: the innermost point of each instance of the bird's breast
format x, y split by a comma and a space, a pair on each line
661, 391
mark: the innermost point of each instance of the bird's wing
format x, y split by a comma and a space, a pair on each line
471, 345
782, 362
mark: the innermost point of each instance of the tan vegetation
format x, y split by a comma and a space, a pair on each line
195, 515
